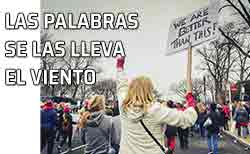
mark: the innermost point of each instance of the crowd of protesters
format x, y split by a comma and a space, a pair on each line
56, 125
241, 115
136, 123
216, 118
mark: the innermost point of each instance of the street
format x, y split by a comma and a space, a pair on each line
197, 146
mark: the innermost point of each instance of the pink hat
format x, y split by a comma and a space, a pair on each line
66, 110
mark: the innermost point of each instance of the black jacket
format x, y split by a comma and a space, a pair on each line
59, 119
171, 131
201, 118
67, 123
215, 127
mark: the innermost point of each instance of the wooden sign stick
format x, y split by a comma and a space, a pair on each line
189, 69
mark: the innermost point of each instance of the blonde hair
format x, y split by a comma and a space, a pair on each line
140, 91
96, 103
83, 119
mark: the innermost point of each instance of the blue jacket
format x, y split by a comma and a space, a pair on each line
48, 118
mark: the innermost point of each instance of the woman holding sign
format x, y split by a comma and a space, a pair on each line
142, 116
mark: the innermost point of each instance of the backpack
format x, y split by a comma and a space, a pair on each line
242, 116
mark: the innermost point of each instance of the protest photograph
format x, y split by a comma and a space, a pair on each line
125, 76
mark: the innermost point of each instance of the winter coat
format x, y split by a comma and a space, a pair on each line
241, 117
59, 119
171, 131
134, 139
97, 131
117, 131
202, 118
67, 124
226, 111
222, 117
48, 118
215, 127
248, 109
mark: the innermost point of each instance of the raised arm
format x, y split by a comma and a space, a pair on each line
121, 81
174, 117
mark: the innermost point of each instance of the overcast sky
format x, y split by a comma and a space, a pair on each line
145, 48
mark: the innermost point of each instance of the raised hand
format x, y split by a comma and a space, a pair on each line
190, 100
120, 61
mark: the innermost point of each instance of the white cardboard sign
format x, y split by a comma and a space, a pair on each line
196, 28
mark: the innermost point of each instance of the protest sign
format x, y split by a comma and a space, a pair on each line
196, 28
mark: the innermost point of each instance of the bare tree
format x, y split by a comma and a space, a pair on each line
242, 10
76, 63
180, 88
65, 63
215, 62
47, 63
105, 87
242, 67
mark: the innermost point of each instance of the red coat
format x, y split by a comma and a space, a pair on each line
226, 110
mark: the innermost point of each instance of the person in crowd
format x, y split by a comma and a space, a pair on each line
117, 133
201, 119
116, 108
247, 106
109, 112
221, 118
67, 129
42, 105
213, 129
48, 126
242, 119
138, 108
220, 103
59, 122
170, 132
99, 127
80, 126
183, 133
226, 110
234, 108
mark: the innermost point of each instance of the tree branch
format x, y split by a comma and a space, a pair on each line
239, 11
234, 43
245, 11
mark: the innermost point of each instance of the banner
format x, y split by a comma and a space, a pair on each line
196, 28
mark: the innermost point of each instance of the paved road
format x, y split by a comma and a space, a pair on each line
76, 142
226, 146
197, 146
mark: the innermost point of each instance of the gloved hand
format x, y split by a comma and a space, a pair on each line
190, 100
120, 63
